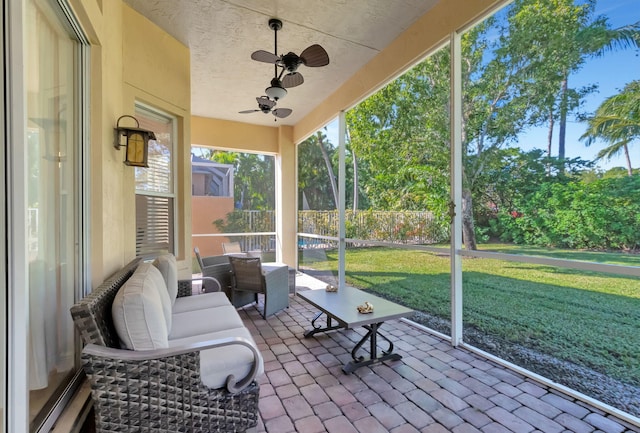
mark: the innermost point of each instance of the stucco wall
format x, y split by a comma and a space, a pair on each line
234, 136
131, 59
209, 209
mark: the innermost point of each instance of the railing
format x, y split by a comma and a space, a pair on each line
256, 241
255, 230
387, 226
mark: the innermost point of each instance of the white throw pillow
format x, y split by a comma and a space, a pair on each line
167, 266
141, 310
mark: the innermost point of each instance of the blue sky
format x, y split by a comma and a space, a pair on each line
610, 72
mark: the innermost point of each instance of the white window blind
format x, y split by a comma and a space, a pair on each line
154, 225
155, 195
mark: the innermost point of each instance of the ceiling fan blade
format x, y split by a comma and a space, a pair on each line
264, 56
314, 56
292, 80
247, 111
282, 112
264, 100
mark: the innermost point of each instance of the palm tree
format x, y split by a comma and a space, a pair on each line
617, 122
594, 40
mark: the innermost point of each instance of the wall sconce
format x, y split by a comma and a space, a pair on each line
136, 141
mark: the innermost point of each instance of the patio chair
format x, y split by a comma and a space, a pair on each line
250, 279
232, 248
217, 267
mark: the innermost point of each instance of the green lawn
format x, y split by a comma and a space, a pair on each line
592, 319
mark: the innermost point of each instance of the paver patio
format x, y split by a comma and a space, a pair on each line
434, 388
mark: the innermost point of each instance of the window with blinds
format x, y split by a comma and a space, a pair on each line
155, 191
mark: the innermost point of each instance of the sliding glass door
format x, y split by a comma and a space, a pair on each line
54, 203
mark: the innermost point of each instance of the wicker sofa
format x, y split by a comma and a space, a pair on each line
188, 367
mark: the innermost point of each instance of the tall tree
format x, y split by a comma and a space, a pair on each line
321, 140
617, 122
556, 37
547, 35
355, 173
522, 80
401, 137
515, 75
313, 182
494, 111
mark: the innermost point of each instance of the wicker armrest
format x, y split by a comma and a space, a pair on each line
183, 361
211, 284
162, 391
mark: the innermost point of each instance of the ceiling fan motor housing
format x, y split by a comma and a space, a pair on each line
290, 62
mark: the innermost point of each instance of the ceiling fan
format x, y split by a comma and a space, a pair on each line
266, 106
313, 56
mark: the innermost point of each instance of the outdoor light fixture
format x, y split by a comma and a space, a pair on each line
136, 140
275, 91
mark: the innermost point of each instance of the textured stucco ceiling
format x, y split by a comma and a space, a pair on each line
222, 34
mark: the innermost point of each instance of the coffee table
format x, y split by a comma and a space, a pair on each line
341, 307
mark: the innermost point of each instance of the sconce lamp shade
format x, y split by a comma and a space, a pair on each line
136, 141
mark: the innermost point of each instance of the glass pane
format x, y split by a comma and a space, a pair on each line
552, 158
576, 327
318, 219
233, 193
550, 98
52, 204
397, 177
155, 187
158, 177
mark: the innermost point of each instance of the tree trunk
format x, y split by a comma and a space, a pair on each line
468, 230
327, 161
552, 123
562, 132
626, 155
355, 174
355, 181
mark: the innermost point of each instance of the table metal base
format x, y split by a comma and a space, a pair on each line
372, 336
316, 328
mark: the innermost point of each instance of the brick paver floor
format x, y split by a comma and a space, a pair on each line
434, 388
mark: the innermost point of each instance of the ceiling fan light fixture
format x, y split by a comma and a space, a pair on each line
275, 91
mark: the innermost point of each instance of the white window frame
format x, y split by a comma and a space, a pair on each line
141, 109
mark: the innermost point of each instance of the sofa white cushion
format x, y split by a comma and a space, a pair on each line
139, 310
166, 264
218, 363
204, 321
199, 302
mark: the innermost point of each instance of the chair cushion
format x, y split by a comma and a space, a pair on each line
166, 264
141, 310
248, 273
204, 321
218, 363
200, 302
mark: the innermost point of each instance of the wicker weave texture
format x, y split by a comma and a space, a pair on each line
164, 396
92, 315
185, 288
